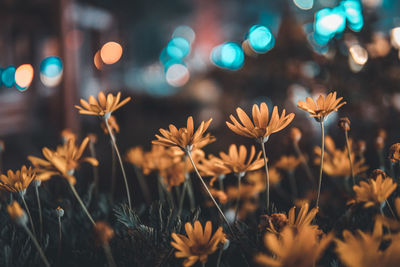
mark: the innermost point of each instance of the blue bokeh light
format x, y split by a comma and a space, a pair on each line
228, 55
8, 76
178, 47
328, 24
260, 39
353, 11
304, 4
51, 67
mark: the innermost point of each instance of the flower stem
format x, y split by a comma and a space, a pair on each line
185, 185
220, 256
113, 171
143, 185
239, 176
120, 162
81, 203
349, 155
36, 243
160, 188
110, 258
322, 160
40, 211
266, 173
59, 238
95, 168
304, 163
29, 213
209, 193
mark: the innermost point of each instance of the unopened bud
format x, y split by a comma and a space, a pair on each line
344, 124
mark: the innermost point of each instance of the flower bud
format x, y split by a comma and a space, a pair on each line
344, 124
59, 212
103, 232
295, 134
380, 139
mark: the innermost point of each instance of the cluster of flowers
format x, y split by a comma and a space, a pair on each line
292, 240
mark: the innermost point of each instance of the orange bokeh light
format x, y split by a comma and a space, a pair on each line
97, 60
111, 52
24, 75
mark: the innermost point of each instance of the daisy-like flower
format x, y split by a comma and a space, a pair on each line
294, 248
322, 107
104, 106
198, 244
262, 125
212, 167
185, 138
17, 181
375, 191
135, 156
336, 161
366, 250
288, 163
237, 161
63, 161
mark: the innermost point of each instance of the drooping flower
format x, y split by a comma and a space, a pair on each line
375, 191
236, 162
63, 161
294, 248
198, 244
322, 107
17, 181
262, 125
185, 138
336, 161
104, 106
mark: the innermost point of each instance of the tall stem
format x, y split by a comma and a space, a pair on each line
81, 203
36, 243
120, 162
266, 173
110, 258
304, 163
143, 185
220, 256
29, 213
349, 155
322, 160
59, 237
95, 168
209, 193
113, 170
40, 211
185, 185
239, 176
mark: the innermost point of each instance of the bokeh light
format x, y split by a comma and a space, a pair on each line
8, 76
228, 55
51, 70
97, 60
359, 54
260, 39
111, 52
395, 37
353, 11
304, 4
184, 32
177, 75
328, 23
24, 76
178, 47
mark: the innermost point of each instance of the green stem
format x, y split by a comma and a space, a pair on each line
221, 184
143, 185
266, 173
81, 203
40, 211
349, 155
113, 171
390, 208
209, 193
220, 256
29, 213
322, 160
36, 243
120, 162
109, 256
59, 237
185, 185
239, 176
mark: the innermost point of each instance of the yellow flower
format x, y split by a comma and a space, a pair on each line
375, 191
135, 156
185, 138
322, 107
197, 245
294, 248
288, 163
263, 125
16, 213
62, 162
336, 162
104, 106
236, 162
212, 167
366, 250
17, 182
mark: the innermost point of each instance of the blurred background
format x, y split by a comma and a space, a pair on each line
194, 57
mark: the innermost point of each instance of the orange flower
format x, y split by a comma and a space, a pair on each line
375, 191
62, 162
212, 167
112, 122
16, 213
294, 248
236, 162
17, 182
263, 125
322, 107
103, 232
198, 244
104, 106
135, 156
288, 163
